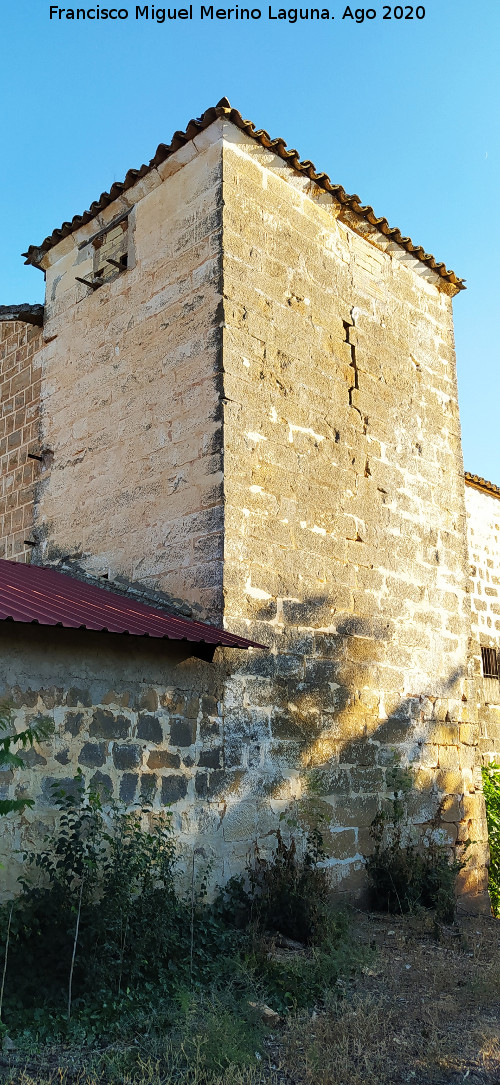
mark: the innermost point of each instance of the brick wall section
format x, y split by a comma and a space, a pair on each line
20, 382
131, 397
483, 533
344, 518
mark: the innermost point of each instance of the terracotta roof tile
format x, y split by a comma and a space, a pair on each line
279, 147
482, 484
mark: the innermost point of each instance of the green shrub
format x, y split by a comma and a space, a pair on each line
405, 875
15, 740
491, 787
287, 894
102, 927
101, 942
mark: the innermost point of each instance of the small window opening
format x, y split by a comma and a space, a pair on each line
489, 660
110, 253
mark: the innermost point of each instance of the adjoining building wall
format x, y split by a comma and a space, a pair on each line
20, 384
139, 719
131, 393
345, 545
483, 532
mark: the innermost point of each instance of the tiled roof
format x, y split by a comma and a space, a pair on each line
32, 593
482, 484
30, 314
278, 146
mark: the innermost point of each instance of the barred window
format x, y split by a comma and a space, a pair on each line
489, 660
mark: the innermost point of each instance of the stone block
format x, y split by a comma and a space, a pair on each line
126, 755
342, 845
92, 754
102, 784
74, 722
182, 732
149, 729
75, 697
128, 787
163, 759
53, 784
449, 758
106, 725
210, 759
173, 788
148, 787
148, 700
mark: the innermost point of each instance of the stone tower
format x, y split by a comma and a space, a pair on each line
248, 401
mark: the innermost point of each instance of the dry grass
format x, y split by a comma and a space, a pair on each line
424, 1011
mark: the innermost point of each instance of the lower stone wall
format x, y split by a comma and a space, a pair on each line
136, 716
315, 732
225, 746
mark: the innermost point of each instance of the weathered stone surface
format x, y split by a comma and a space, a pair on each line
149, 728
210, 759
149, 785
103, 784
50, 784
173, 788
182, 732
107, 725
126, 755
128, 787
75, 697
74, 722
483, 533
163, 759
92, 754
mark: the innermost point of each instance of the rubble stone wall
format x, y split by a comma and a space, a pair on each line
139, 718
20, 383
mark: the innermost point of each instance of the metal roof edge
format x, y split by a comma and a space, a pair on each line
36, 594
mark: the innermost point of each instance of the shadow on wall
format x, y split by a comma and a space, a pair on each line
304, 724
317, 735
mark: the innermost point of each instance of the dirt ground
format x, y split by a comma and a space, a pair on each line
424, 1010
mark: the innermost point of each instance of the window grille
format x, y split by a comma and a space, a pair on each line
489, 660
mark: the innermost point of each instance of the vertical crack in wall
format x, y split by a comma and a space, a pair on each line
353, 363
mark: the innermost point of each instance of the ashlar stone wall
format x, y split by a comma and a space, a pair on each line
344, 544
483, 533
131, 399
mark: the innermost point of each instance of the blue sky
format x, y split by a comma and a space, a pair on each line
403, 112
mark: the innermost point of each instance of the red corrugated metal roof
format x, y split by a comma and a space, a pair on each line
30, 593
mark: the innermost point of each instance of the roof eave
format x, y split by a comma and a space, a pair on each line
35, 253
